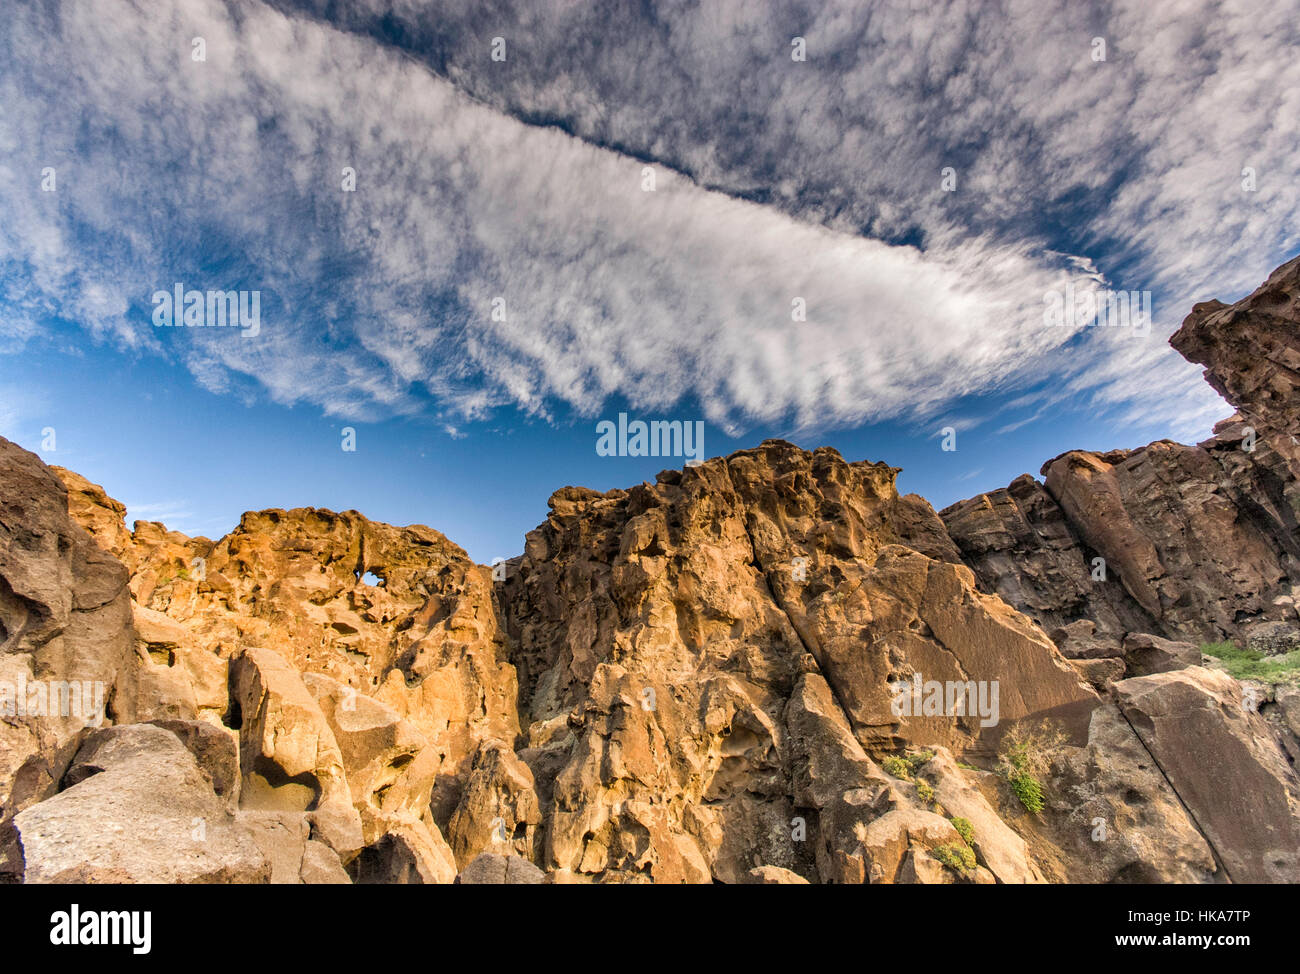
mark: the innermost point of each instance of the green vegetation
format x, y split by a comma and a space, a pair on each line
908, 765
925, 791
1029, 791
897, 767
958, 857
1027, 755
1251, 664
920, 759
965, 830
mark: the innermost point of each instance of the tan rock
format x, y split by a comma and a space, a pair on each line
289, 758
410, 852
65, 619
490, 868
282, 837
321, 866
498, 809
136, 809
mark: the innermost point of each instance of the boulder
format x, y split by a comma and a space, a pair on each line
1145, 654
1274, 638
1225, 766
136, 809
490, 868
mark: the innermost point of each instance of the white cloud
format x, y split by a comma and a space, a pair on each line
227, 173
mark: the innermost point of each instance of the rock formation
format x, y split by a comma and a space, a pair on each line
1193, 543
766, 668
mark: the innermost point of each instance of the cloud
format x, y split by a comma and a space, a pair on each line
228, 173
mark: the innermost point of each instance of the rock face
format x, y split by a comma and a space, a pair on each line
1167, 539
347, 715
1245, 799
66, 653
1251, 351
768, 668
1198, 543
667, 635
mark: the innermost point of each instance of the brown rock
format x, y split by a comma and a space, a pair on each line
1224, 764
65, 619
409, 853
1251, 351
1112, 816
1100, 673
1145, 654
1024, 548
1176, 541
498, 809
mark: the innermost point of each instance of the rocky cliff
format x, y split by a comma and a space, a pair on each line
1188, 542
768, 668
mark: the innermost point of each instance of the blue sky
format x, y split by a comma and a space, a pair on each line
525, 180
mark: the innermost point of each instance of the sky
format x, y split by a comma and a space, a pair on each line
476, 231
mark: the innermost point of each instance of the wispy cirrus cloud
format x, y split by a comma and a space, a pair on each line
227, 173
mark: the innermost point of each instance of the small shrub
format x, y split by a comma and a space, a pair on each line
955, 857
925, 791
1026, 755
897, 767
920, 759
1029, 791
1030, 750
965, 830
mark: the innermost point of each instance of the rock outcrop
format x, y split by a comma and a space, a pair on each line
67, 658
1168, 539
667, 636
1246, 797
135, 808
1251, 354
1194, 543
